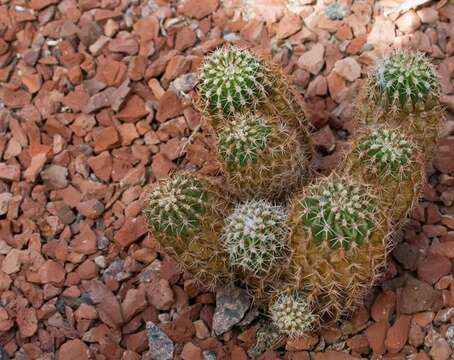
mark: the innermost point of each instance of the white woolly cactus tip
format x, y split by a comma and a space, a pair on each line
255, 235
339, 212
292, 315
386, 151
231, 79
176, 206
406, 80
242, 139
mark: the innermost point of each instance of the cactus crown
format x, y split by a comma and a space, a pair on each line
176, 206
254, 235
338, 211
292, 315
230, 79
242, 139
406, 79
385, 151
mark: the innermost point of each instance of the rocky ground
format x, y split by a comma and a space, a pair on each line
95, 105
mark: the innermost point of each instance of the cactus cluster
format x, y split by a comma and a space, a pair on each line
306, 248
232, 79
385, 151
339, 212
292, 315
255, 236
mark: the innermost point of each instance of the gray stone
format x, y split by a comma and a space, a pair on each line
450, 335
116, 270
3, 354
54, 176
184, 83
337, 11
250, 316
209, 355
4, 201
231, 306
161, 347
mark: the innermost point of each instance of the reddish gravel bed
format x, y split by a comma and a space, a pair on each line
95, 105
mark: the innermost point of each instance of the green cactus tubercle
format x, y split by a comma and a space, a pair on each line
406, 79
231, 79
292, 315
254, 236
242, 139
176, 206
338, 211
385, 151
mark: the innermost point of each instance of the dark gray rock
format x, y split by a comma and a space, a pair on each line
209, 355
231, 306
161, 347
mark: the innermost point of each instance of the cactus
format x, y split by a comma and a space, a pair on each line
185, 214
261, 156
386, 152
317, 263
337, 243
232, 79
254, 236
339, 212
390, 162
292, 315
403, 91
176, 207
405, 81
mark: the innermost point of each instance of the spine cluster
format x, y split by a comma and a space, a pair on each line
232, 79
176, 207
292, 315
405, 81
339, 212
386, 151
255, 236
242, 140
261, 157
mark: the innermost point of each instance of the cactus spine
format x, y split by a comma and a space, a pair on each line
261, 157
185, 214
